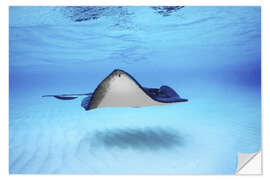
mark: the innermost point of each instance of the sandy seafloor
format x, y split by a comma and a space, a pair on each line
218, 72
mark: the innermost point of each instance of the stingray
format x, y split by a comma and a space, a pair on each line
120, 89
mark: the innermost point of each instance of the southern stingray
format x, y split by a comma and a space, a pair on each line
120, 89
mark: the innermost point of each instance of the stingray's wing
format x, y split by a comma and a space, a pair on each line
68, 96
164, 94
86, 102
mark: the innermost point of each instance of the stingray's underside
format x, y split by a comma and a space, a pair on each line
121, 89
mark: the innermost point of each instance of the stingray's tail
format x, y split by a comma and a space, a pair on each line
68, 96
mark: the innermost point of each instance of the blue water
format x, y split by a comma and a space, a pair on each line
209, 55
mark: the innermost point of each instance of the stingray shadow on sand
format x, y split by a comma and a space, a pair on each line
137, 139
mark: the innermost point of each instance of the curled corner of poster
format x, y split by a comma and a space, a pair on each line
249, 164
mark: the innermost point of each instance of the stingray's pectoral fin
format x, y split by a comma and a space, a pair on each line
172, 96
164, 94
67, 96
86, 102
62, 97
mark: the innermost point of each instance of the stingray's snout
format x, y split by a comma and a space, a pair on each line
118, 72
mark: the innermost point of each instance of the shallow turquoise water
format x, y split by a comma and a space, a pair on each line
209, 55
